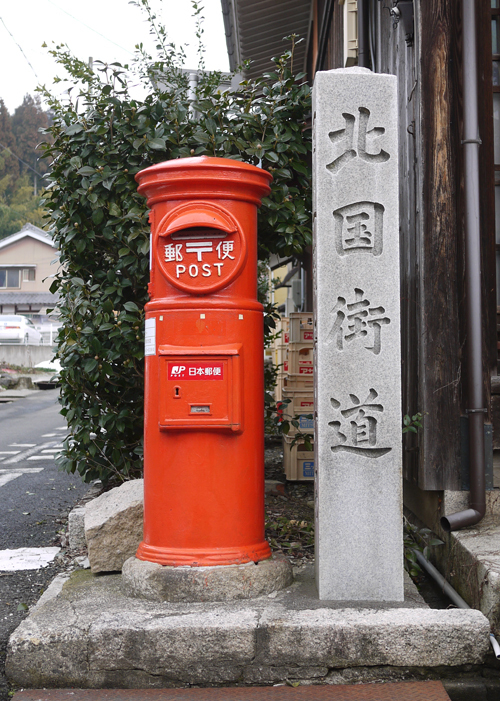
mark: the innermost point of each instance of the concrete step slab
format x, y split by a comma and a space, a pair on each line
90, 635
405, 691
470, 561
469, 558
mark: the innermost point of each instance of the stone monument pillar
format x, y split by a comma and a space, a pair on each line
359, 541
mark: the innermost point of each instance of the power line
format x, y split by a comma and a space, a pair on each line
19, 47
6, 148
88, 27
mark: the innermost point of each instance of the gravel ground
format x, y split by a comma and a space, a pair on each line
21, 590
289, 510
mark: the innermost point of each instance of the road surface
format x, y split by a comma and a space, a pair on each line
35, 498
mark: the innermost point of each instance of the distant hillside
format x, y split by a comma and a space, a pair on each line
22, 168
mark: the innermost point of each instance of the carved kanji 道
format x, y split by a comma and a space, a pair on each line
355, 431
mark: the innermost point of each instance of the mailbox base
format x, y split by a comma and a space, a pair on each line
148, 580
208, 557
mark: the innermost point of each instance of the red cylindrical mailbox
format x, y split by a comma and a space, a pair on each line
204, 433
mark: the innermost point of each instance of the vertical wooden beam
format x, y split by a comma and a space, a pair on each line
315, 35
406, 68
440, 287
487, 193
337, 36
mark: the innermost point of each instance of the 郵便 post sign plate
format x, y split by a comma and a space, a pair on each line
196, 370
200, 248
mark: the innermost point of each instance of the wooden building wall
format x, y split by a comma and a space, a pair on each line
438, 331
439, 244
432, 232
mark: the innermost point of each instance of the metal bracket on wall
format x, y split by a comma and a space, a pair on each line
464, 450
402, 11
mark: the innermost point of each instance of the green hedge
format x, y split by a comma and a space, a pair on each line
102, 136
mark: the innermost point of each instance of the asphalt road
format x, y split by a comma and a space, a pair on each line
35, 498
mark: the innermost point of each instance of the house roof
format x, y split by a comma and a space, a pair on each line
28, 230
255, 30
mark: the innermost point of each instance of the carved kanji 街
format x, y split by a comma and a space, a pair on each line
358, 320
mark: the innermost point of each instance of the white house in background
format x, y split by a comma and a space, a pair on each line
26, 270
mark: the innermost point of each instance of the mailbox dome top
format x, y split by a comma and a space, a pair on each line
203, 177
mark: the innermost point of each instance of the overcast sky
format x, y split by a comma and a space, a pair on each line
104, 29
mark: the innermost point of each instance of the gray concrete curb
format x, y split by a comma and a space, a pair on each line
92, 636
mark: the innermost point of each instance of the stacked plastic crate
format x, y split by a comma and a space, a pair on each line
298, 389
279, 351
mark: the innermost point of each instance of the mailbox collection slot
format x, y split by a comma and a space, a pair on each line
202, 232
200, 409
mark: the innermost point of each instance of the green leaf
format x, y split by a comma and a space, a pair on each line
90, 364
97, 216
131, 307
157, 144
73, 129
271, 156
202, 136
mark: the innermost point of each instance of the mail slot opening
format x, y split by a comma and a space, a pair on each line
200, 409
198, 232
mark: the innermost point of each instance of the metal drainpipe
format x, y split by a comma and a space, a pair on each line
363, 48
451, 593
475, 393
